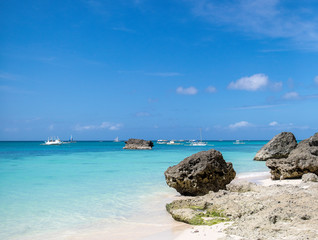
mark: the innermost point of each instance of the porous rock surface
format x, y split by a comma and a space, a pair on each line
133, 143
200, 173
258, 212
279, 147
303, 159
309, 177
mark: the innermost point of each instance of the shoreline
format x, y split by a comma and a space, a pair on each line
155, 223
183, 231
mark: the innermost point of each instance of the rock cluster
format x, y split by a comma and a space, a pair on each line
301, 160
138, 144
279, 147
257, 212
200, 173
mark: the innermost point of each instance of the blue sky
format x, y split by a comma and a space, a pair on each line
158, 69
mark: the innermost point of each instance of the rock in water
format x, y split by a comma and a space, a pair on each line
303, 159
200, 173
138, 144
279, 147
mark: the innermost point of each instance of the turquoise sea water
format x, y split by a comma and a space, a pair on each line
52, 189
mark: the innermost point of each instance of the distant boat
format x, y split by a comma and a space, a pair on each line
172, 142
71, 140
238, 142
160, 141
199, 143
53, 141
116, 139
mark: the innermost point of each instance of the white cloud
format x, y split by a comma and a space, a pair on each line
272, 124
110, 126
276, 86
211, 89
187, 91
103, 125
291, 96
316, 80
239, 125
264, 18
252, 83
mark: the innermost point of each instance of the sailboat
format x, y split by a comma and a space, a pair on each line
199, 143
53, 141
116, 139
71, 139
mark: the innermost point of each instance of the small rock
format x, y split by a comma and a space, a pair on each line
141, 144
240, 186
309, 177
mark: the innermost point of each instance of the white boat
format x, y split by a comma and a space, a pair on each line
199, 143
116, 139
238, 142
53, 141
172, 142
160, 141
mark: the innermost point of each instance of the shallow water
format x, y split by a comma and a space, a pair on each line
88, 186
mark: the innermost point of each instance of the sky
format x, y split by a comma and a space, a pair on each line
153, 69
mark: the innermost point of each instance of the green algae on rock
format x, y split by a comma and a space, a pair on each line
196, 214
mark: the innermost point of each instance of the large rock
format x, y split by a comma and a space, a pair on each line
200, 173
303, 159
138, 144
279, 147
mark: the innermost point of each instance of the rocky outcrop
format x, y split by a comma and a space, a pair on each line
138, 144
258, 212
200, 173
279, 147
309, 177
303, 159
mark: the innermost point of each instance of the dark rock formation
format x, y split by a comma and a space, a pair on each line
303, 159
138, 144
200, 173
279, 147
